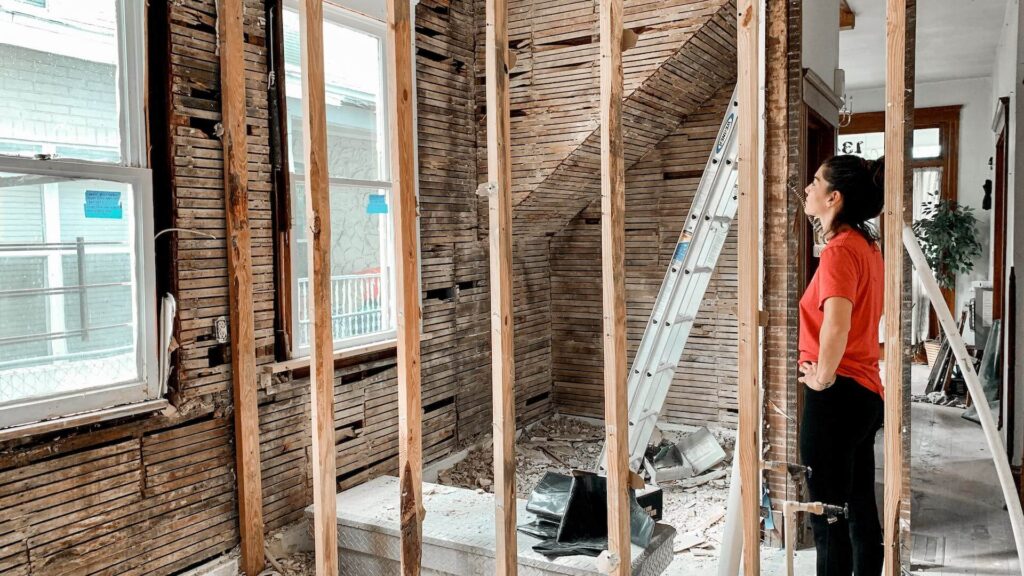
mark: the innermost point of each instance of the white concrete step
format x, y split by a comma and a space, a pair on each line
458, 536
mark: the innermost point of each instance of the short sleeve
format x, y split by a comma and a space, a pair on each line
838, 275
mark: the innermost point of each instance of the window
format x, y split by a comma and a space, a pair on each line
362, 235
76, 323
871, 145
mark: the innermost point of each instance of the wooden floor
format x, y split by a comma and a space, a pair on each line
959, 523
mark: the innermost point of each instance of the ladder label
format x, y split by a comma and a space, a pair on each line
725, 132
681, 249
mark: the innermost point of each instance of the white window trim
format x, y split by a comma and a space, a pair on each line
132, 94
370, 17
132, 170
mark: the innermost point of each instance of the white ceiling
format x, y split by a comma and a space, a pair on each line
955, 39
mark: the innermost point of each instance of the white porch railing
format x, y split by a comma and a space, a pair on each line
356, 306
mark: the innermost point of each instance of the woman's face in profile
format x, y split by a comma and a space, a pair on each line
818, 196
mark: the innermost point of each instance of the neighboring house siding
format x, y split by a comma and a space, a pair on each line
35, 87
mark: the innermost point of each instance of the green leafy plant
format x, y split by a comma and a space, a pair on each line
948, 237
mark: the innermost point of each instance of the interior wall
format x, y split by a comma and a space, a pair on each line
82, 499
659, 189
1010, 67
977, 146
821, 38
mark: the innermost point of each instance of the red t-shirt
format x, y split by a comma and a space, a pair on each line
850, 268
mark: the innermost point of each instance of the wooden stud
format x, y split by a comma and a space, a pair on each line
499, 174
748, 56
896, 131
613, 287
321, 350
239, 251
847, 19
403, 155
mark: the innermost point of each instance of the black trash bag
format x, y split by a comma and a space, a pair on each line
540, 528
549, 498
553, 549
583, 527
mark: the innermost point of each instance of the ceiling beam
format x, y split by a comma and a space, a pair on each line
847, 19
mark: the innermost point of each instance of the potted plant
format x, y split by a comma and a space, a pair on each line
949, 241
948, 238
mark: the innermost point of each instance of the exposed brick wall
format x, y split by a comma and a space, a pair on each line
908, 207
782, 229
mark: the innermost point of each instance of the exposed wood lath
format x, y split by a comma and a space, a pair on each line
81, 501
684, 54
455, 345
659, 189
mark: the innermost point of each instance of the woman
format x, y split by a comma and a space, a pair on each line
839, 317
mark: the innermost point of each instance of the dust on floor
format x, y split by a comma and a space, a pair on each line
695, 507
297, 564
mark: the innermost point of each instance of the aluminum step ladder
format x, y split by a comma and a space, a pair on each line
700, 243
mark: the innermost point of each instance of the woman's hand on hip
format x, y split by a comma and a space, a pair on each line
813, 379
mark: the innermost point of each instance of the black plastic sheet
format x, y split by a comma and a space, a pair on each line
549, 498
581, 513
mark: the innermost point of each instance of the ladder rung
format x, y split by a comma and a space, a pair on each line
702, 270
644, 416
664, 366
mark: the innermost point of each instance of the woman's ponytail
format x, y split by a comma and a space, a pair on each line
862, 184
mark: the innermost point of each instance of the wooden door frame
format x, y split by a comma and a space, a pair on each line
1000, 127
947, 120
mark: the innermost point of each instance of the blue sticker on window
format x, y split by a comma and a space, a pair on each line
378, 204
681, 249
102, 204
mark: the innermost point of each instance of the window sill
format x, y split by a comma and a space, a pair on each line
83, 419
340, 356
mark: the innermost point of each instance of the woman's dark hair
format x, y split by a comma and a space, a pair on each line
861, 182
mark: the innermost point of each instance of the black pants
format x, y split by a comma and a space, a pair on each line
837, 438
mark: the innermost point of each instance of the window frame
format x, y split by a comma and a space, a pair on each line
131, 170
359, 16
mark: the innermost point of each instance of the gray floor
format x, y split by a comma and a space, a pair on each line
957, 512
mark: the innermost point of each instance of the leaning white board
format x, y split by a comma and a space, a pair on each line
956, 343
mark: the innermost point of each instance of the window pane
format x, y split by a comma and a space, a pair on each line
21, 311
360, 273
21, 213
68, 313
59, 80
361, 225
872, 145
354, 92
926, 143
105, 312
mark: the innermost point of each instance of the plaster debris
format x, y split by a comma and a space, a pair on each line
695, 507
